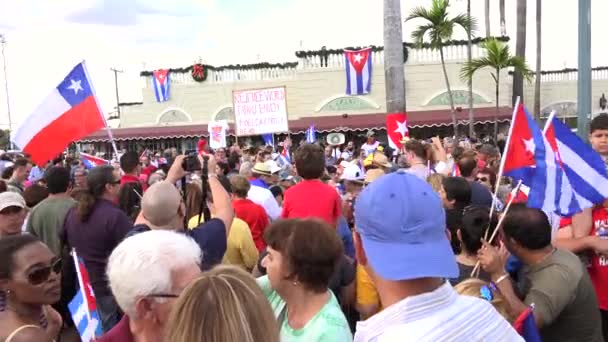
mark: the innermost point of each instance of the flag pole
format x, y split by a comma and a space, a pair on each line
81, 283
503, 160
549, 120
498, 225
86, 71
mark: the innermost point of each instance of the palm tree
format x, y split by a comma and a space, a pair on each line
520, 49
470, 80
393, 58
537, 76
439, 28
497, 57
503, 24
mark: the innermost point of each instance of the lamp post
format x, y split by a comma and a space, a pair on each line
8, 102
584, 68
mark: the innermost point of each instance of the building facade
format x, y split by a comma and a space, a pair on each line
315, 94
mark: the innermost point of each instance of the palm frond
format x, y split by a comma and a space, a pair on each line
519, 65
464, 21
418, 13
420, 32
469, 69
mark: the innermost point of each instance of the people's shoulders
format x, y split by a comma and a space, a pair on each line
212, 228
29, 333
332, 323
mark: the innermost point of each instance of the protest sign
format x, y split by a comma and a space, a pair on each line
260, 111
217, 134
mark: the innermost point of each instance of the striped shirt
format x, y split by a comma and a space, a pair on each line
441, 315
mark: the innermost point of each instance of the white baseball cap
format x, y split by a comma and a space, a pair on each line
353, 173
11, 199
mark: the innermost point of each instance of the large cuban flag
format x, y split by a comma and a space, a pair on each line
358, 71
68, 113
584, 182
160, 83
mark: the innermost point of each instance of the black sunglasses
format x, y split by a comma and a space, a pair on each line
41, 275
163, 295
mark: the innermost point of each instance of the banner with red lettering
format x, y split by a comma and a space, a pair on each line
260, 111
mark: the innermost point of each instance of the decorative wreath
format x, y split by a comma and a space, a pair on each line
199, 72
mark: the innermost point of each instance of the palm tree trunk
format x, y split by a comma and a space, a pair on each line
503, 25
470, 82
487, 17
447, 85
520, 50
394, 76
497, 105
538, 62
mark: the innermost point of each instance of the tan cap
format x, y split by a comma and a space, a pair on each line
381, 159
11, 199
372, 175
262, 169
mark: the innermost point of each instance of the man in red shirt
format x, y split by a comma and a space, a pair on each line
311, 197
248, 211
129, 163
595, 247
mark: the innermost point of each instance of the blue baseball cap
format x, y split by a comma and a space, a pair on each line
401, 222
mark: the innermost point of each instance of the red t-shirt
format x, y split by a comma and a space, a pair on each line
255, 216
132, 179
312, 198
598, 268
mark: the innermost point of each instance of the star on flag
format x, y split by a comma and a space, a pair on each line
75, 86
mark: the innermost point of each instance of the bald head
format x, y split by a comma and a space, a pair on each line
160, 204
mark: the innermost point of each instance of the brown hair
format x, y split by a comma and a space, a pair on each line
311, 247
223, 305
310, 161
97, 180
419, 149
34, 194
436, 181
194, 197
472, 287
240, 186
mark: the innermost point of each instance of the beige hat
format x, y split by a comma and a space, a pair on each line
274, 167
381, 159
262, 169
372, 175
11, 199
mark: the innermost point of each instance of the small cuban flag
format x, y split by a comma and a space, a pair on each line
160, 83
83, 306
310, 135
90, 161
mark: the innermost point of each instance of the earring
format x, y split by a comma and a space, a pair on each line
8, 292
295, 283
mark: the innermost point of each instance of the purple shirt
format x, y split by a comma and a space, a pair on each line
96, 238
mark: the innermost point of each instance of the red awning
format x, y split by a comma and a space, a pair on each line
335, 123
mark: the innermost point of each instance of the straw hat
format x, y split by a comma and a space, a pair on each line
380, 159
372, 175
262, 169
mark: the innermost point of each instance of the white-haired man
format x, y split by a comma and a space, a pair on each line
147, 272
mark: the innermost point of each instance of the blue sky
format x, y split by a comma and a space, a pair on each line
47, 38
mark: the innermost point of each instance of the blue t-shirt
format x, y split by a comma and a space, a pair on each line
210, 237
347, 237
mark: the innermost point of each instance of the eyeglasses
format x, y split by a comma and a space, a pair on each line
41, 275
163, 295
115, 182
481, 179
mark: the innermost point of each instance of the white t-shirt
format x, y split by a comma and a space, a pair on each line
369, 149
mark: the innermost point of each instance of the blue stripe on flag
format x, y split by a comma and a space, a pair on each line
347, 68
368, 86
78, 310
360, 83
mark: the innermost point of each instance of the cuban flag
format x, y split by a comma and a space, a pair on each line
160, 83
529, 158
525, 325
70, 112
90, 161
310, 135
358, 71
285, 156
83, 306
584, 180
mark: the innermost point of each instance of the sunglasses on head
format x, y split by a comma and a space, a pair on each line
482, 179
42, 274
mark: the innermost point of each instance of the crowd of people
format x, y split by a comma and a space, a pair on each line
333, 241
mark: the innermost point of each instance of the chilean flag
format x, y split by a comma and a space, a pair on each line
90, 161
160, 83
584, 179
396, 129
530, 158
358, 71
69, 113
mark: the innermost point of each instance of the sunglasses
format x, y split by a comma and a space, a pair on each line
41, 275
482, 179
